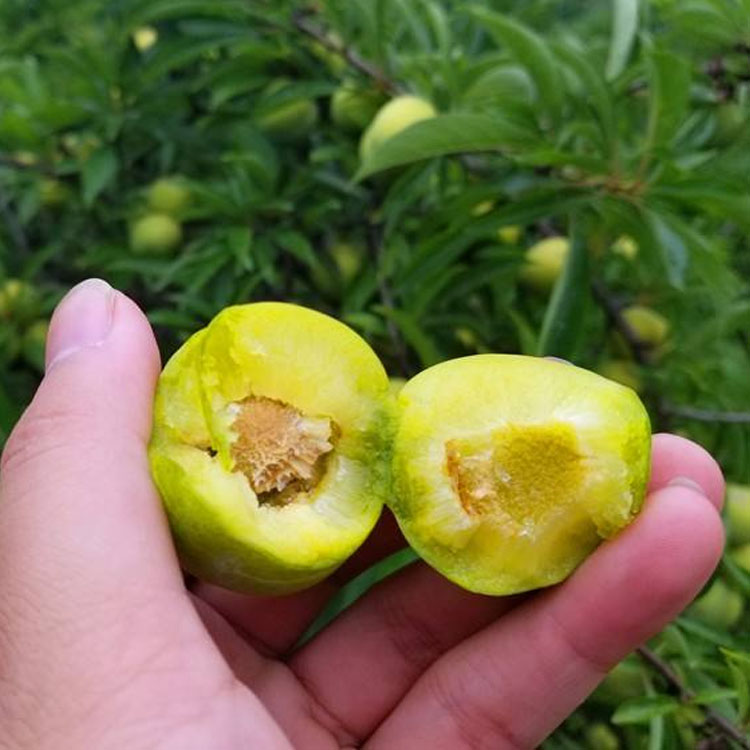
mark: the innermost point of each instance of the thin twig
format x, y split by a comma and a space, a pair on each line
716, 720
302, 23
707, 415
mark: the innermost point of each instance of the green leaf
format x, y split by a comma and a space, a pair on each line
443, 135
566, 309
97, 173
531, 50
669, 81
642, 710
672, 248
415, 336
624, 29
714, 695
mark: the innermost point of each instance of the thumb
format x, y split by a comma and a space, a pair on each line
78, 511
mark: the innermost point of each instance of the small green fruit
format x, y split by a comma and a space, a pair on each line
626, 247
622, 371
348, 259
650, 327
510, 235
483, 208
623, 682
270, 447
52, 192
600, 736
168, 195
738, 513
720, 607
145, 37
730, 122
742, 556
509, 470
397, 115
34, 343
155, 233
353, 107
19, 301
544, 263
289, 119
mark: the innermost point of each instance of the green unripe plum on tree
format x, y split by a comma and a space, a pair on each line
290, 119
738, 513
353, 107
650, 327
19, 301
720, 607
155, 234
168, 195
544, 263
391, 119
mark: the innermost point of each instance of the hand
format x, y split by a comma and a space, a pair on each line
102, 646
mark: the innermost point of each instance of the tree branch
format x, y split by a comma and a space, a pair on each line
720, 723
707, 415
302, 23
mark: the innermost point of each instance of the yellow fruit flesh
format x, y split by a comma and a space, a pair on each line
510, 489
269, 447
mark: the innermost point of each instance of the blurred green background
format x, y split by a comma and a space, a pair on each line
199, 153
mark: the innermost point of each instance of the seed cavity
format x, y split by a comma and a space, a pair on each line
518, 473
280, 450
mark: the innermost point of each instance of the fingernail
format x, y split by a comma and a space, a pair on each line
82, 319
686, 482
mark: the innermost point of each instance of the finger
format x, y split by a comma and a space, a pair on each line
402, 626
274, 624
79, 517
391, 635
674, 456
516, 680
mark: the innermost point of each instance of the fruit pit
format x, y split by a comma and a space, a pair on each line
280, 450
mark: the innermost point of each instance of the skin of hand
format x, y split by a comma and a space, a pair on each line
102, 646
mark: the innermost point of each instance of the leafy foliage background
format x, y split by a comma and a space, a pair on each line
630, 116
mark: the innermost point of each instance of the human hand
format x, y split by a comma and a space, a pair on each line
102, 646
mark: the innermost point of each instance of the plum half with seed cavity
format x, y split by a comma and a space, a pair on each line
270, 447
509, 470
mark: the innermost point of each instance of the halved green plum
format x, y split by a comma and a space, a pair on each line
509, 470
270, 447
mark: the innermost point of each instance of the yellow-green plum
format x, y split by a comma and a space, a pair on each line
650, 327
544, 263
738, 513
353, 107
394, 117
509, 470
19, 301
270, 447
168, 195
720, 607
155, 233
288, 119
